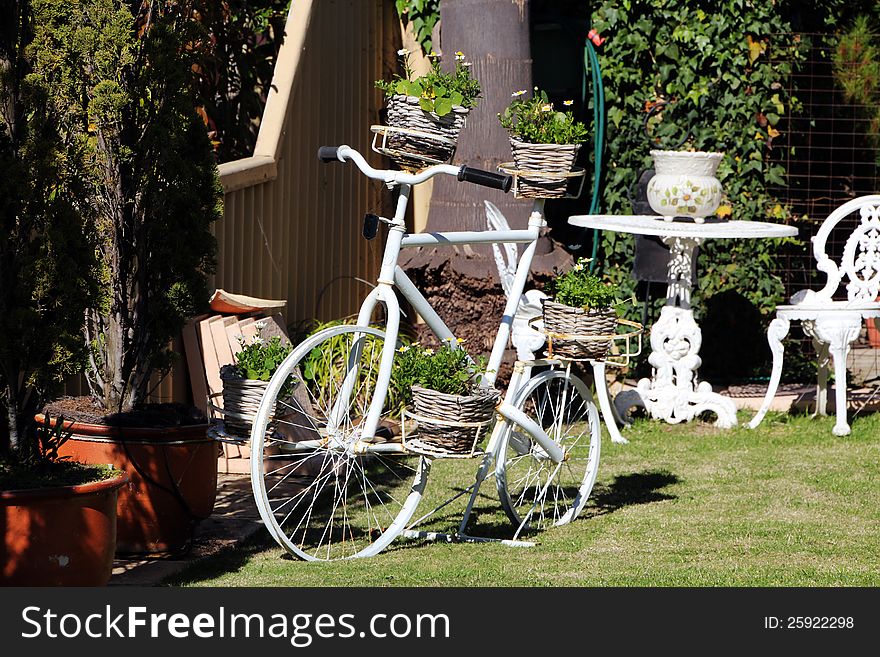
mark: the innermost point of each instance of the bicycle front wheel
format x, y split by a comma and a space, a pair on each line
536, 492
324, 489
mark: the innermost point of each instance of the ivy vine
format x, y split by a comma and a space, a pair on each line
723, 74
422, 16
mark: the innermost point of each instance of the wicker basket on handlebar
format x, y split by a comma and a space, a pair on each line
425, 136
534, 159
453, 423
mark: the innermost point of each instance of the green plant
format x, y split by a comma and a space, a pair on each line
580, 289
535, 121
727, 77
323, 367
121, 74
235, 74
48, 268
422, 15
438, 91
259, 359
856, 66
448, 369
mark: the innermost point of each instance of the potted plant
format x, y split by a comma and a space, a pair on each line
449, 403
580, 318
245, 382
543, 140
121, 76
426, 113
57, 517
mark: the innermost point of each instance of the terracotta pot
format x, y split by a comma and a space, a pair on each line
173, 481
873, 332
63, 536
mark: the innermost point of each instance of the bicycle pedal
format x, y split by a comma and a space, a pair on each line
371, 226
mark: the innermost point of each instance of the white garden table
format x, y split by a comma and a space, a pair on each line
674, 393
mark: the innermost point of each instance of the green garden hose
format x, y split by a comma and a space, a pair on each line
591, 64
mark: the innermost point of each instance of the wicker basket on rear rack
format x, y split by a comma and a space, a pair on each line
450, 425
609, 338
598, 325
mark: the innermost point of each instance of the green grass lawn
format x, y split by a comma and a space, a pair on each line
689, 505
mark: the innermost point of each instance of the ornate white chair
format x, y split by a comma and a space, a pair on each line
833, 324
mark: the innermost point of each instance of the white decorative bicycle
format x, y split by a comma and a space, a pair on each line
334, 473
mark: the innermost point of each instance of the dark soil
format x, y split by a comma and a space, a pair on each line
86, 409
16, 476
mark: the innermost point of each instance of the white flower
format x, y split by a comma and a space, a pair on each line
459, 56
468, 64
257, 340
517, 93
568, 103
546, 108
402, 52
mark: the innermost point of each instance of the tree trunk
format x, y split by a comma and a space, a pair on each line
462, 283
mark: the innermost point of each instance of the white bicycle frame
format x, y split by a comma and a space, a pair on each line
391, 275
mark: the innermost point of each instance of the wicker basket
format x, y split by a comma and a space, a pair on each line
429, 138
241, 401
549, 158
460, 419
562, 320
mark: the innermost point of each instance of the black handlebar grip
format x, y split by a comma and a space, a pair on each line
328, 154
486, 178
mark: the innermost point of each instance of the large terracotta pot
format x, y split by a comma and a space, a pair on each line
173, 484
63, 536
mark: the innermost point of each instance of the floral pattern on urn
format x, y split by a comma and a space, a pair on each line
684, 184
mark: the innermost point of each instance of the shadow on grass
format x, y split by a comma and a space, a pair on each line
628, 490
227, 560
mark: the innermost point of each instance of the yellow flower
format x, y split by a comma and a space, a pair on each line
459, 56
568, 103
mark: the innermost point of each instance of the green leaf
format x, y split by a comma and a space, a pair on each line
442, 106
426, 104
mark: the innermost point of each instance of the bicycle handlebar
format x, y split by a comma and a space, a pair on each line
500, 181
328, 154
485, 178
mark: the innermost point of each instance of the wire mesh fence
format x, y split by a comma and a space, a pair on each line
829, 148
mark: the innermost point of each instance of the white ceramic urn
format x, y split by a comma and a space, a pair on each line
684, 184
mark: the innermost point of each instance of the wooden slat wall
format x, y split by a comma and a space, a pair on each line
290, 237
297, 237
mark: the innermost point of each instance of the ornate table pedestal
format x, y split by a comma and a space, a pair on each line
674, 392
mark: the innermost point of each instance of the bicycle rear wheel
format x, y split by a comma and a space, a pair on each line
534, 491
324, 489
